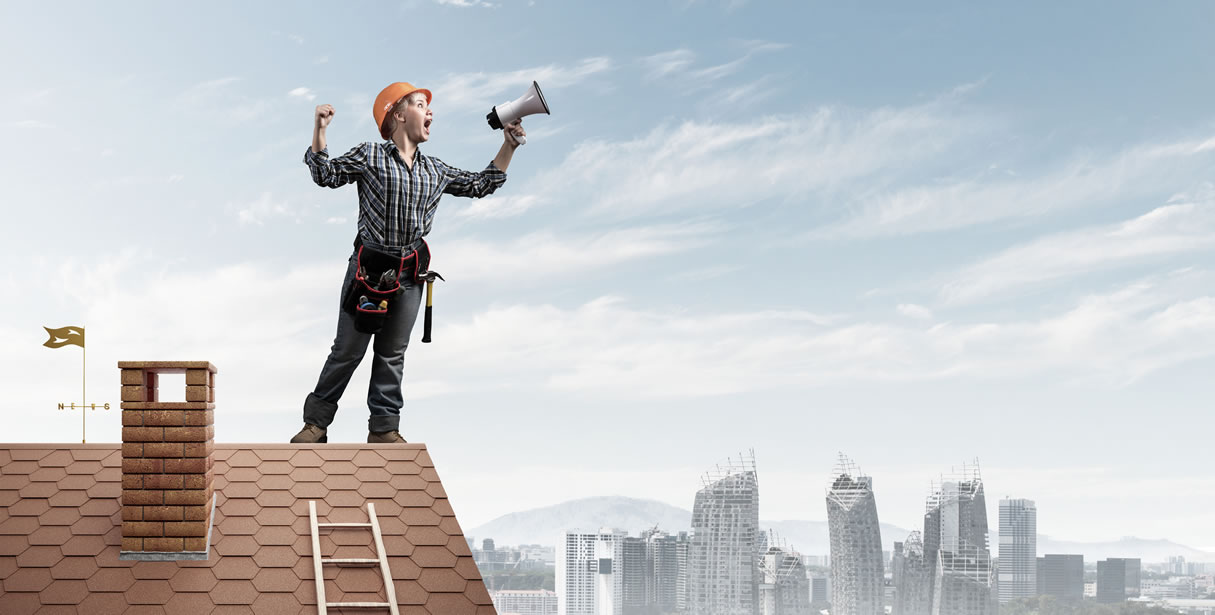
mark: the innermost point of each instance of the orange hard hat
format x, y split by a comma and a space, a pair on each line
389, 97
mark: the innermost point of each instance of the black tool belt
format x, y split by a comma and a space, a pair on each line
379, 281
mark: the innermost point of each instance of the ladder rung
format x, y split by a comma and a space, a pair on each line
380, 560
354, 561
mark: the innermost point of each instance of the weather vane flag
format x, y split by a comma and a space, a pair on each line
65, 336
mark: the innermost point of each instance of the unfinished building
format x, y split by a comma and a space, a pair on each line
955, 538
912, 576
857, 578
784, 588
723, 575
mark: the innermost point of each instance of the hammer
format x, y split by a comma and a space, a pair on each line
429, 277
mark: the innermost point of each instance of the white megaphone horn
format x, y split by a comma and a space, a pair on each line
531, 103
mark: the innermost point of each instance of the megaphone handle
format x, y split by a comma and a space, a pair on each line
521, 140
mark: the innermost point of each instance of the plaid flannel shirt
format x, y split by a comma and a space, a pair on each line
398, 204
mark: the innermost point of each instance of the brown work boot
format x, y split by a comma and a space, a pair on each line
385, 437
310, 434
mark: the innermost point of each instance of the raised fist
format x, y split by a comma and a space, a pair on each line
324, 115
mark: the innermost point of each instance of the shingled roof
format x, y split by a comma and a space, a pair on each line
61, 533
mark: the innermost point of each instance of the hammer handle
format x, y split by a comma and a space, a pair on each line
430, 284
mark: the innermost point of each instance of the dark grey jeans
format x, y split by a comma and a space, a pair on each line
384, 398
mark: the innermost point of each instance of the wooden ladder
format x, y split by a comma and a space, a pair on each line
381, 559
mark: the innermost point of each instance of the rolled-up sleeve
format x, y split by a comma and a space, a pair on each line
339, 171
468, 183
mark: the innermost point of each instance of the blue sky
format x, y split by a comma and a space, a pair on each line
917, 236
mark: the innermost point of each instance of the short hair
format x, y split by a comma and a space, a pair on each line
390, 122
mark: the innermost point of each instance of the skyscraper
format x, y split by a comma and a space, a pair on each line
1111, 580
663, 563
1134, 569
856, 542
783, 588
1018, 576
635, 570
955, 539
912, 576
1061, 576
723, 574
583, 561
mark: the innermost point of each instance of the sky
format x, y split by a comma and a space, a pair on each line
917, 236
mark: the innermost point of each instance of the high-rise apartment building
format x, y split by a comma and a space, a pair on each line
955, 539
783, 588
1018, 567
635, 570
682, 587
857, 576
664, 565
723, 574
584, 561
912, 576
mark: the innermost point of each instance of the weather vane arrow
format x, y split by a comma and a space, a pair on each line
65, 336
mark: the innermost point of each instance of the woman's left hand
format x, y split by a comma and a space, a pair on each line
513, 130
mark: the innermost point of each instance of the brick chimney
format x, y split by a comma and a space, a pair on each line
167, 457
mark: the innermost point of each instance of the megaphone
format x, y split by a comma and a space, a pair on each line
531, 103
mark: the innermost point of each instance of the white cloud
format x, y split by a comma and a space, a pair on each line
467, 3
915, 311
706, 273
264, 326
542, 254
497, 207
615, 347
1168, 230
304, 93
1141, 171
667, 63
475, 90
677, 64
704, 165
261, 210
335, 220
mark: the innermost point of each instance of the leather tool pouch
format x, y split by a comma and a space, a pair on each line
373, 296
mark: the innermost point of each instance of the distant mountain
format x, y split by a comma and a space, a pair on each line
546, 525
813, 537
1148, 550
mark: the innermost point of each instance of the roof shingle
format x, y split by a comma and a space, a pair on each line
60, 533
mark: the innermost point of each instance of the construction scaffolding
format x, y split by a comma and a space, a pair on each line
723, 575
784, 588
912, 575
857, 575
956, 540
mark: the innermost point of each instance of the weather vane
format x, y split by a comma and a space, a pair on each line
63, 337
